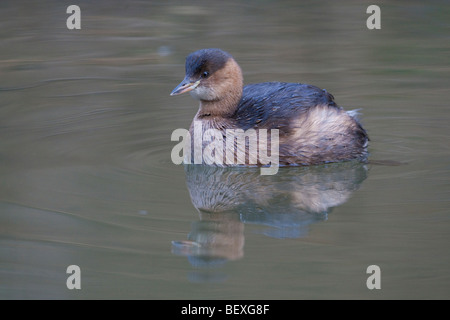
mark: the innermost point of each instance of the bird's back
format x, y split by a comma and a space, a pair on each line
313, 129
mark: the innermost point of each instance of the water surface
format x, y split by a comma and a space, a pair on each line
86, 177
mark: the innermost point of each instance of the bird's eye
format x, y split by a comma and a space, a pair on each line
205, 74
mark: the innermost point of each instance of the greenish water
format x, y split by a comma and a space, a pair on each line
86, 177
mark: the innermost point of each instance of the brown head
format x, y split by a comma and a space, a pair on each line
214, 78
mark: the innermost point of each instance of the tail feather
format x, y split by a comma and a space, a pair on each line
355, 114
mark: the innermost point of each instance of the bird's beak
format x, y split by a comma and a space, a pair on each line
185, 86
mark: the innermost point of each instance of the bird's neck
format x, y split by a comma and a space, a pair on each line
223, 108
227, 93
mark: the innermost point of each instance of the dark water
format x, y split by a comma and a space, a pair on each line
86, 177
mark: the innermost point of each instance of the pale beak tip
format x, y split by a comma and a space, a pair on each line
175, 92
184, 86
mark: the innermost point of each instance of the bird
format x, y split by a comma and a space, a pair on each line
311, 128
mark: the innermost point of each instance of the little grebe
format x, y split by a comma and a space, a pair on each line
313, 129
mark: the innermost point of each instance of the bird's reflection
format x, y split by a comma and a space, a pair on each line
284, 205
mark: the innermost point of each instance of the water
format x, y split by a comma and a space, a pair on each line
86, 177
